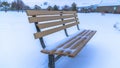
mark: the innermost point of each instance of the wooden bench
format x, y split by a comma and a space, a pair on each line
59, 20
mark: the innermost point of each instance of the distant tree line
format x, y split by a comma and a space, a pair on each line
19, 5
14, 5
73, 7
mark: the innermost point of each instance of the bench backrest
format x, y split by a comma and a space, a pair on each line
52, 21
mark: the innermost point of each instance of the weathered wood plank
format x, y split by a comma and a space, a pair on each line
72, 44
50, 24
81, 45
40, 12
41, 19
50, 31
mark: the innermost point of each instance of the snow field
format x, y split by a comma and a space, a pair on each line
19, 49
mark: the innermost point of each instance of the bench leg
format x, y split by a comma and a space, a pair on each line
51, 63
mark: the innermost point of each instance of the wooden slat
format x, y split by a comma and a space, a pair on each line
40, 19
40, 12
50, 24
72, 43
44, 33
82, 37
81, 45
69, 12
75, 43
62, 52
69, 44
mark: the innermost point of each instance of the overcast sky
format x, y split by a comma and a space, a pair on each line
61, 2
67, 2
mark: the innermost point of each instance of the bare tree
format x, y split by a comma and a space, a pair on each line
20, 5
14, 5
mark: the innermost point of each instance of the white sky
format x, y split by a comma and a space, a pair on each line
67, 2
61, 2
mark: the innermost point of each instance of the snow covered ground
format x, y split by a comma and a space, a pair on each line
19, 49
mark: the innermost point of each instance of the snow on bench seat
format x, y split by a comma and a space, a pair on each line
72, 45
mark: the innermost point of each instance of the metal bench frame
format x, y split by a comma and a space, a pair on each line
52, 58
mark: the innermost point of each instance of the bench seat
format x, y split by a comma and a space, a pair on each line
72, 45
